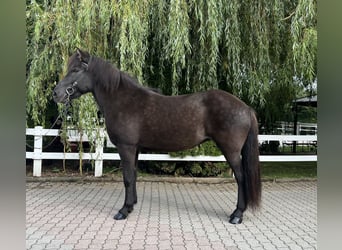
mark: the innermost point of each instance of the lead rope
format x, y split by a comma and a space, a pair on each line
62, 115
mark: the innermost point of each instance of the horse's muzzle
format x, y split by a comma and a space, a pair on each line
59, 97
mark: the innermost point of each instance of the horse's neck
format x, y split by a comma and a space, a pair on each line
102, 91
117, 98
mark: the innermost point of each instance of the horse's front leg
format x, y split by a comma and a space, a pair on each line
128, 155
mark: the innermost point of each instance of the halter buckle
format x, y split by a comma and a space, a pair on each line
71, 90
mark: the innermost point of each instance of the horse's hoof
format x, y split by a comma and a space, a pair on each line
120, 216
235, 220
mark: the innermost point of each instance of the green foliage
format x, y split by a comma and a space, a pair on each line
199, 169
194, 169
206, 148
202, 169
304, 34
262, 51
166, 167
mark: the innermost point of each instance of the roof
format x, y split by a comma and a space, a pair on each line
307, 101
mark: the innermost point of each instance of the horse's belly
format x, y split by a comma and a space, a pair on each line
173, 141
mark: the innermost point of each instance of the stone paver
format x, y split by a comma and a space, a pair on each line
62, 215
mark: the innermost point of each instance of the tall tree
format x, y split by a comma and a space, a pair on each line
263, 51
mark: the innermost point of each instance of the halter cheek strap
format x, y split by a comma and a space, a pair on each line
85, 65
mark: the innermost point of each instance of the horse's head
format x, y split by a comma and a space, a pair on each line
77, 80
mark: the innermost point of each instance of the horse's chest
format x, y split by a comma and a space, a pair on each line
123, 130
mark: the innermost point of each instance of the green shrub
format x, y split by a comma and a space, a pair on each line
180, 172
214, 168
166, 167
196, 169
206, 148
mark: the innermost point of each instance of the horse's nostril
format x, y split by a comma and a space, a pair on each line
54, 93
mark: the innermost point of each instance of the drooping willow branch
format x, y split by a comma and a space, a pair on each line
250, 48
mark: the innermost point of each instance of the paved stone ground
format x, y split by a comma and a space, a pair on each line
61, 215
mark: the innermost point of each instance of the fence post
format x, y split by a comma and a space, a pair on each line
37, 154
99, 154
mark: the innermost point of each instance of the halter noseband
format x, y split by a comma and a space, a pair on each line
70, 90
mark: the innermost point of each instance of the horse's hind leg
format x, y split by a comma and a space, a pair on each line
135, 196
235, 163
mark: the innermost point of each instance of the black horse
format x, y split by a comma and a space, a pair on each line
138, 118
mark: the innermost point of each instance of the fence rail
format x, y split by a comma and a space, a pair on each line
303, 128
98, 156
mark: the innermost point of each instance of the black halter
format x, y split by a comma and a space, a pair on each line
70, 90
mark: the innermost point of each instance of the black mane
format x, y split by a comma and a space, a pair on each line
106, 75
110, 77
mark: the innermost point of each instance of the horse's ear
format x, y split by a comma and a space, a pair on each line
83, 56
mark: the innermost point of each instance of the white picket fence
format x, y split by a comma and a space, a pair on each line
98, 156
303, 128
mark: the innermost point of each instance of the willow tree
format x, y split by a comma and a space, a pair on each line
256, 49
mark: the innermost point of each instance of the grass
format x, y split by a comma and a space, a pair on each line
279, 170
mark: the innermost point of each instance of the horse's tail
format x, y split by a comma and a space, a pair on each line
251, 166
